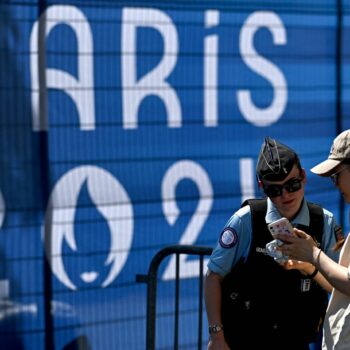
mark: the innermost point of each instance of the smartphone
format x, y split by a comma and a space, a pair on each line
280, 226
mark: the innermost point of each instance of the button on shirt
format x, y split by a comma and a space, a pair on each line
225, 256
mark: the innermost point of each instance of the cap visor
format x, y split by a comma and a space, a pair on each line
325, 168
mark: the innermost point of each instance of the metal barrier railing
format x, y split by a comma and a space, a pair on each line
151, 280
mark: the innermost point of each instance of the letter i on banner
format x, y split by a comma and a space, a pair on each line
211, 71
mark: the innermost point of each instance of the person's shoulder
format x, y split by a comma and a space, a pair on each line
240, 223
243, 212
328, 217
327, 213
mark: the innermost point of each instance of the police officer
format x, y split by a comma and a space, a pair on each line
248, 295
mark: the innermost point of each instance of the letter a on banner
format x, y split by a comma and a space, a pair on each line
80, 89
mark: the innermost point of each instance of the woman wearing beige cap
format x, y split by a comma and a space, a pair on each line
334, 277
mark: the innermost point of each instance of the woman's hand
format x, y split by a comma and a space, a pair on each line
299, 247
304, 267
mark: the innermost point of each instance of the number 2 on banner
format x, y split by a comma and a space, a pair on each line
179, 171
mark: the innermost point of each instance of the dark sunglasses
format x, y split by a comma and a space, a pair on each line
290, 186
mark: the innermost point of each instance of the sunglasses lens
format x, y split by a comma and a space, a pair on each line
293, 185
273, 190
290, 186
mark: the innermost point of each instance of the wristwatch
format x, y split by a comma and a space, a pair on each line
215, 328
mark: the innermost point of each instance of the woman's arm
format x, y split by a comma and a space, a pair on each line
309, 270
335, 274
302, 247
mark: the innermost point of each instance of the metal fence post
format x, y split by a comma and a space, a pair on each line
151, 280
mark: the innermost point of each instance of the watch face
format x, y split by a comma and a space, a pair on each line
215, 329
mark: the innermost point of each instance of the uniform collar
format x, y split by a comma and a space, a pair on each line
303, 217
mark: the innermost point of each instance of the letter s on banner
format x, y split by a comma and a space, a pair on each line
259, 116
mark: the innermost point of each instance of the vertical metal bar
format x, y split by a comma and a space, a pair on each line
151, 310
339, 112
200, 306
339, 39
45, 177
177, 297
151, 280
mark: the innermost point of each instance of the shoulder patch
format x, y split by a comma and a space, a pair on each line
228, 238
339, 235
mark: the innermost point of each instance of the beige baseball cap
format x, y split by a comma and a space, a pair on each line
340, 151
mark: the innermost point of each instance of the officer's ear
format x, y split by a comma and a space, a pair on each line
303, 175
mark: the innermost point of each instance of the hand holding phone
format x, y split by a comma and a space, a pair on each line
272, 250
280, 226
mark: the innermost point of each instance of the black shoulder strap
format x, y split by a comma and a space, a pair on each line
258, 209
316, 221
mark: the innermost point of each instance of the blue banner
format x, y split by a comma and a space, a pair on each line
128, 126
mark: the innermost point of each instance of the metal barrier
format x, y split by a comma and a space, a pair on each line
151, 280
